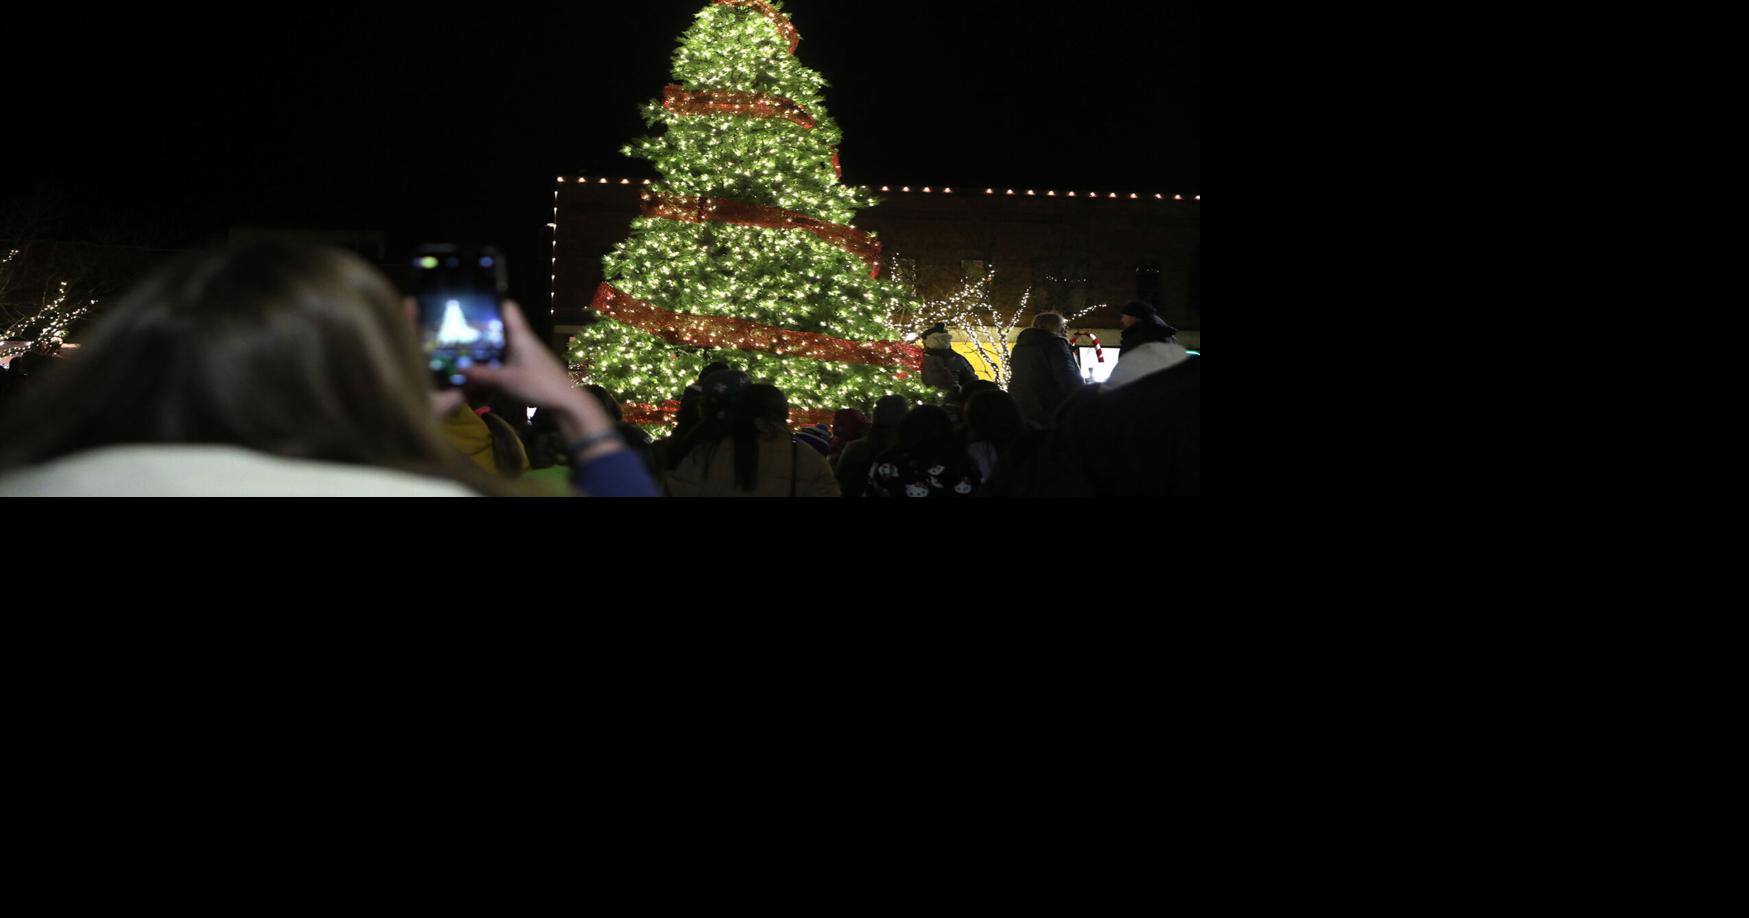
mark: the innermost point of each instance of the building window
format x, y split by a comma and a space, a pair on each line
1059, 284
904, 272
973, 270
1148, 282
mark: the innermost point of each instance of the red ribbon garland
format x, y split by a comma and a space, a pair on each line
715, 210
746, 335
784, 27
681, 101
649, 415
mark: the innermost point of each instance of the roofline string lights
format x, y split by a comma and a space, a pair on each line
929, 189
989, 192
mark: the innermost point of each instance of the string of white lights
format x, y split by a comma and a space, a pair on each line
929, 189
972, 310
53, 322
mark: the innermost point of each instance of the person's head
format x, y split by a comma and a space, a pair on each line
546, 441
280, 347
994, 417
974, 388
938, 338
1052, 322
609, 403
955, 403
927, 434
761, 413
849, 424
722, 390
546, 444
890, 411
713, 368
1145, 312
763, 408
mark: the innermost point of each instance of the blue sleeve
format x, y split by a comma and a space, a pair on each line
618, 474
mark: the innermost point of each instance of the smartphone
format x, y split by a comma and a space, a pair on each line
460, 291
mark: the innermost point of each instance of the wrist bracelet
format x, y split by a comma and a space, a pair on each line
583, 445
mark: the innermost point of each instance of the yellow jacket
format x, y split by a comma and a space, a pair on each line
469, 434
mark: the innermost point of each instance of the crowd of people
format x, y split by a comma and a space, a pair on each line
281, 369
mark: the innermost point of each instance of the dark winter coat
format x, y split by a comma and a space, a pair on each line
1045, 375
859, 457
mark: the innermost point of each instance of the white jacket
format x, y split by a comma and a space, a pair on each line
1145, 360
213, 471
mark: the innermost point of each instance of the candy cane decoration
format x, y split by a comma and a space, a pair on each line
1097, 350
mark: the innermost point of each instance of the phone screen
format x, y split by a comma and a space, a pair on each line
460, 292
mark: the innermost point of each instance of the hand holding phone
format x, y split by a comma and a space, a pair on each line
534, 376
460, 295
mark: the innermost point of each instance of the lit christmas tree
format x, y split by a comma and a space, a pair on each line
746, 253
455, 328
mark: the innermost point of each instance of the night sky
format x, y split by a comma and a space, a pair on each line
435, 124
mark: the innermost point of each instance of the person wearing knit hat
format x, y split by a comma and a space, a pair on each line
1149, 346
817, 437
1142, 324
1140, 309
943, 367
